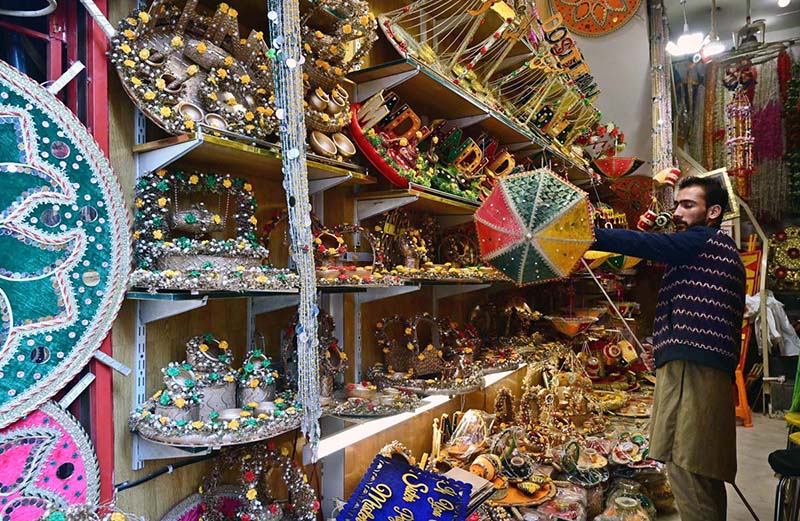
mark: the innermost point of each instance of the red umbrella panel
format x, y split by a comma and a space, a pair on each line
615, 167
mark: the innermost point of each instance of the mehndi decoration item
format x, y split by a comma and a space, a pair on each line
65, 246
49, 465
184, 67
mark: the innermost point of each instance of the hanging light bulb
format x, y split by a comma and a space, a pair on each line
784, 3
688, 43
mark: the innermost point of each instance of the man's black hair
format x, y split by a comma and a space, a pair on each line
714, 191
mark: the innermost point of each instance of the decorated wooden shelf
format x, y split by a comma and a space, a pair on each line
211, 149
431, 94
417, 198
173, 296
339, 435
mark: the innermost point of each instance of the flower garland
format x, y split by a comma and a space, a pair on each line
792, 122
739, 140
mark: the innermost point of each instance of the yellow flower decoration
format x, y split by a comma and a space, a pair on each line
229, 60
143, 16
129, 63
233, 424
347, 28
331, 251
248, 187
139, 203
279, 401
364, 19
136, 234
408, 331
284, 451
261, 279
144, 54
194, 179
161, 172
216, 219
163, 420
162, 201
251, 494
307, 47
253, 220
325, 117
165, 111
149, 95
403, 142
316, 241
201, 48
429, 347
223, 7
136, 81
125, 48
198, 424
249, 116
245, 414
233, 13
231, 101
188, 123
176, 41
130, 35
228, 378
203, 347
160, 83
222, 73
410, 346
213, 96
421, 357
254, 383
158, 235
245, 79
223, 344
268, 111
334, 49
191, 70
180, 402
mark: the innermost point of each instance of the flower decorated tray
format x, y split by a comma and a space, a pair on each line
449, 387
216, 432
637, 407
611, 400
525, 494
357, 407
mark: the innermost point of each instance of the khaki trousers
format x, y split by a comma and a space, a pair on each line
697, 497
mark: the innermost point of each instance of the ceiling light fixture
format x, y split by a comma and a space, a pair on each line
712, 45
784, 3
688, 43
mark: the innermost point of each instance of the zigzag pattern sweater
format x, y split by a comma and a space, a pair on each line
701, 301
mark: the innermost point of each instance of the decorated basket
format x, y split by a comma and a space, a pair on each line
369, 151
428, 352
393, 336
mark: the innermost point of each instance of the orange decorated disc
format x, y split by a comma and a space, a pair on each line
595, 17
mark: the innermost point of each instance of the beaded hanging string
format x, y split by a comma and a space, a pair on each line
739, 140
660, 78
792, 157
284, 18
708, 115
721, 98
696, 132
768, 188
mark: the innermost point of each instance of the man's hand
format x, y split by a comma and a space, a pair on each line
647, 357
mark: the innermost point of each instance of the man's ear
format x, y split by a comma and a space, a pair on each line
715, 212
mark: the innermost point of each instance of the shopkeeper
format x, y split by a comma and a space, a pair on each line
696, 342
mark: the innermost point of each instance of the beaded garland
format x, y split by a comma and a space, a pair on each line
255, 464
64, 246
739, 140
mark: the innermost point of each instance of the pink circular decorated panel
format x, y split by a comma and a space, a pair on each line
46, 463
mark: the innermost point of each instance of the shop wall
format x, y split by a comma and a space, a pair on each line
620, 63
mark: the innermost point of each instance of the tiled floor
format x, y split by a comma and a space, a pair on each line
755, 478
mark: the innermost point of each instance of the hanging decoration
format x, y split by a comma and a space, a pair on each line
183, 68
284, 22
792, 126
593, 18
739, 140
64, 249
48, 466
661, 88
615, 167
534, 227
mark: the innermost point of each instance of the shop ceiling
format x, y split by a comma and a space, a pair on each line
782, 22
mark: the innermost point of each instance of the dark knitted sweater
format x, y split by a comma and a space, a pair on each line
701, 301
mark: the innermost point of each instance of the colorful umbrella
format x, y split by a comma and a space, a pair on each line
534, 226
615, 167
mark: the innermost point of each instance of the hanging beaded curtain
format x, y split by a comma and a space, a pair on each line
660, 69
284, 26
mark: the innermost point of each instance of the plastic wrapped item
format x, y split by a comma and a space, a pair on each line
568, 505
659, 491
626, 509
594, 500
470, 437
631, 489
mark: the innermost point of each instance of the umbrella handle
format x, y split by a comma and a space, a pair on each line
613, 306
